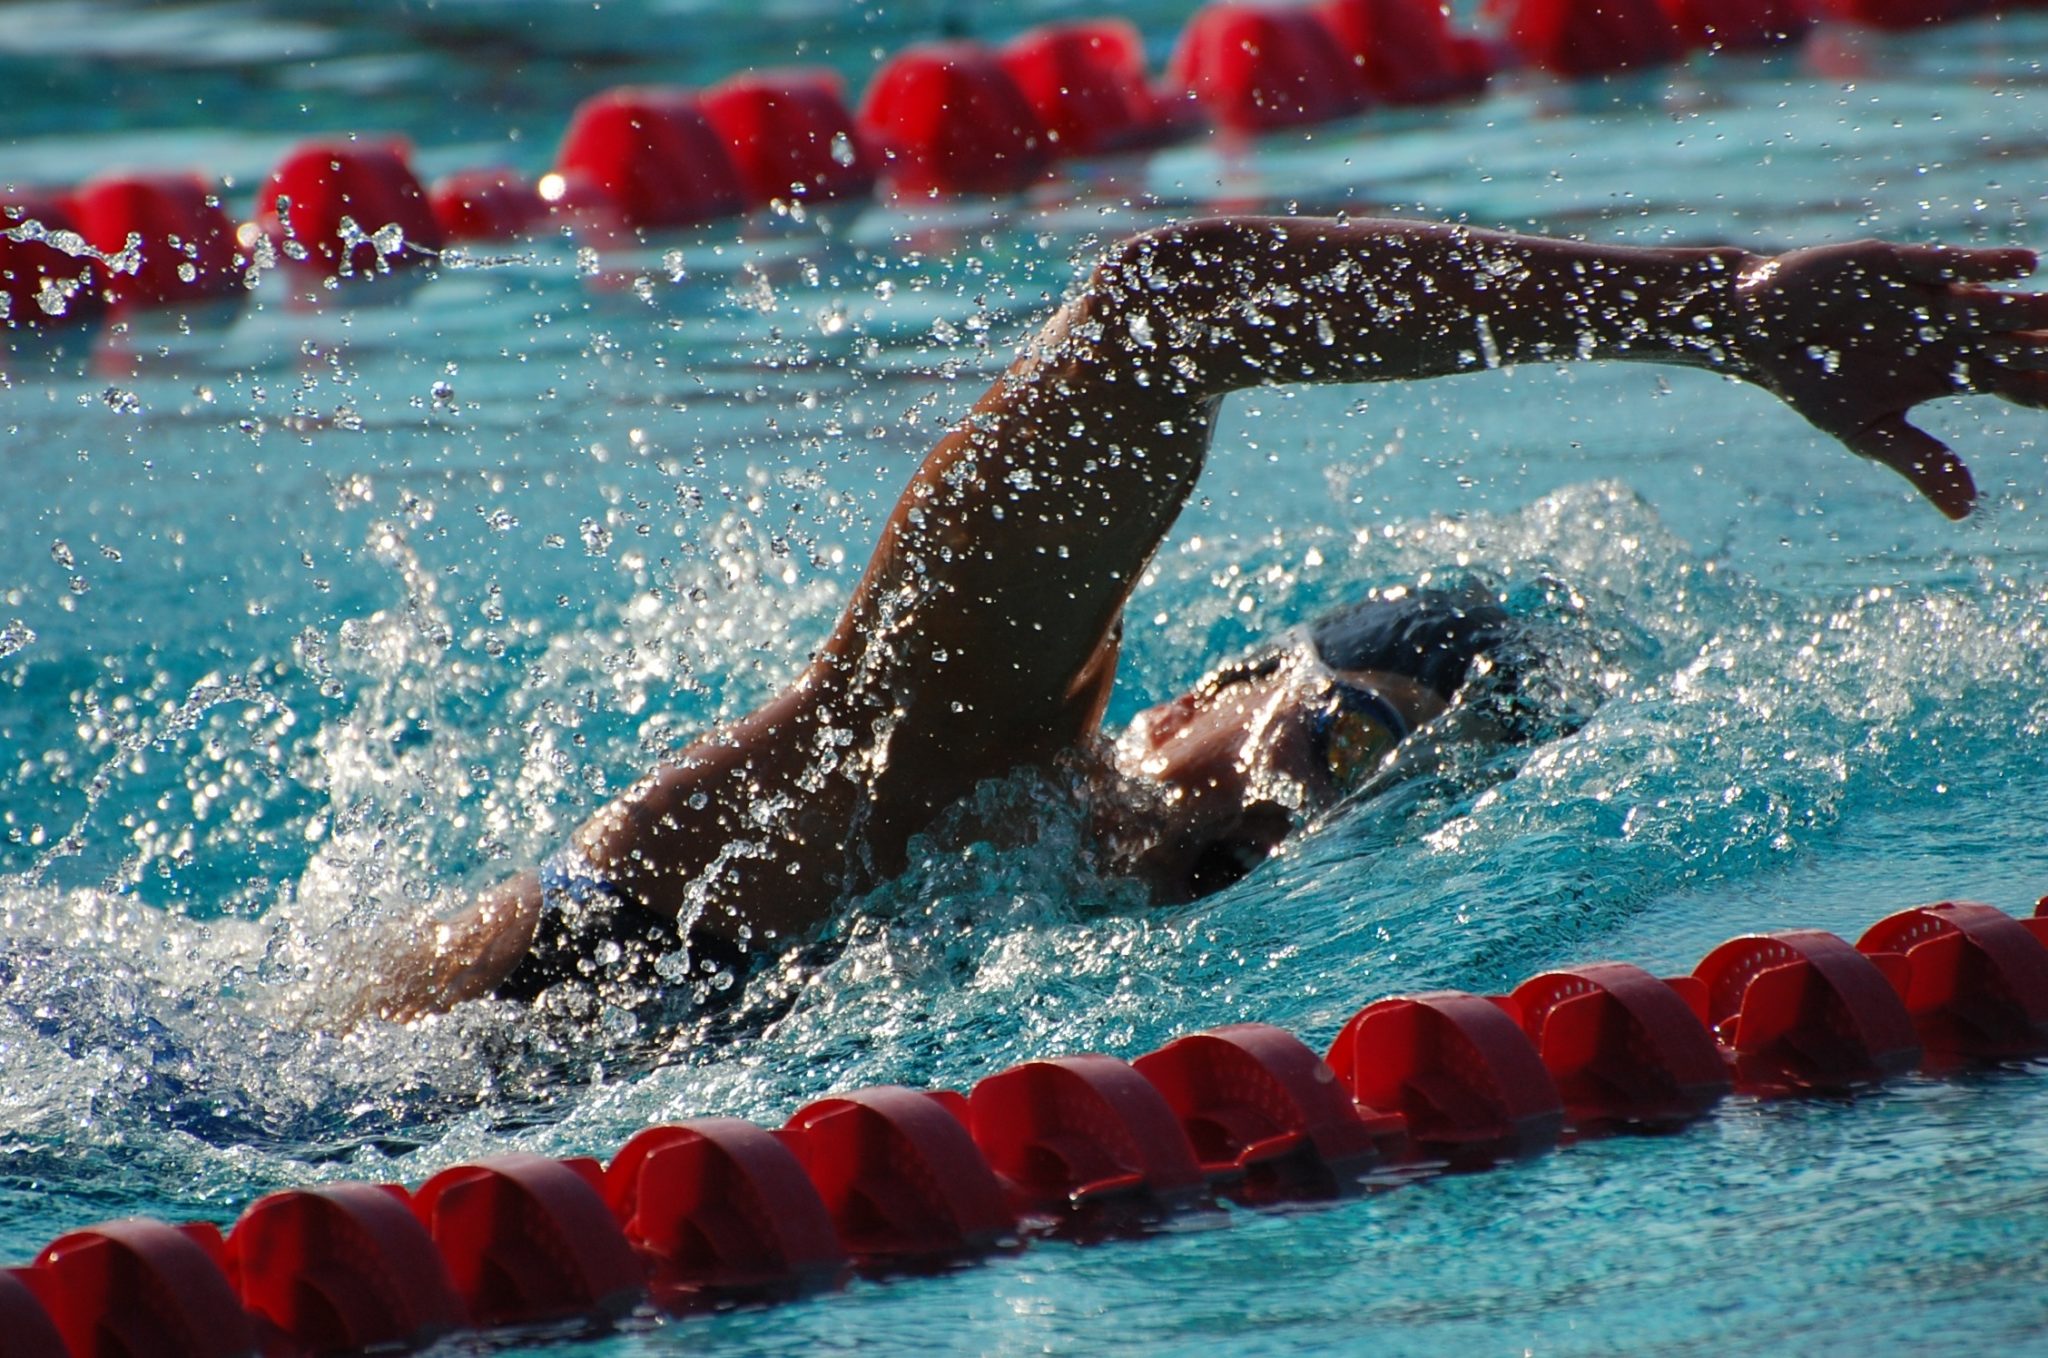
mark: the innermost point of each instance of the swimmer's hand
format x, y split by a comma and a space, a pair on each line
1854, 336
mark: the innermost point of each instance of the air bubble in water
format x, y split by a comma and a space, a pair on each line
842, 149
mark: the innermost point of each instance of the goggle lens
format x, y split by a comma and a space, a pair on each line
1354, 745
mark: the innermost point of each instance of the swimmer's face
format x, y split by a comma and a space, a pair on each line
1244, 755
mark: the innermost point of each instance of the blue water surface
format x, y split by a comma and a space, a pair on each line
309, 620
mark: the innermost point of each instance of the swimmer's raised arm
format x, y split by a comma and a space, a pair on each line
1851, 336
1010, 556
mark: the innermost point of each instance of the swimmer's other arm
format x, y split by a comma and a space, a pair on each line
462, 957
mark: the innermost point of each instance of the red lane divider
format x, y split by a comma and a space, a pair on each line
491, 204
1581, 38
1904, 13
950, 119
341, 1269
1266, 1116
1083, 1132
1977, 979
937, 119
723, 1211
791, 137
904, 1182
1467, 1083
198, 260
1255, 69
141, 1289
1623, 1046
1407, 50
349, 209
1802, 1010
1088, 85
529, 1240
29, 1331
41, 285
648, 156
718, 1211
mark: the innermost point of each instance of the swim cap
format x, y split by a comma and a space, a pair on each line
1429, 635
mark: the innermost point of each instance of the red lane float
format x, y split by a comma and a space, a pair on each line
492, 204
723, 1211
949, 118
29, 1330
1266, 1116
1083, 1132
1087, 84
791, 137
648, 156
718, 1211
141, 1289
530, 1240
41, 285
1257, 70
185, 239
342, 1269
1802, 1010
349, 209
1900, 13
1738, 24
1976, 978
1623, 1046
1406, 50
1580, 38
905, 1185
1465, 1080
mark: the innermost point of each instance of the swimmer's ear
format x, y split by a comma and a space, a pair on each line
1933, 468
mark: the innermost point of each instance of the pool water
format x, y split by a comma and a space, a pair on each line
307, 620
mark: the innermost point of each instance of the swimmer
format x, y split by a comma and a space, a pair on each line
982, 638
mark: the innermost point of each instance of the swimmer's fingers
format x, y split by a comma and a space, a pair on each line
2023, 387
1991, 309
1961, 264
2024, 352
1935, 471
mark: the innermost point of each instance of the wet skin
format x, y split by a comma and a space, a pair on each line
982, 637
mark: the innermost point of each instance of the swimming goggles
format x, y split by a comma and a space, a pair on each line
1354, 731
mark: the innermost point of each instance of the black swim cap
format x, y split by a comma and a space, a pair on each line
1429, 635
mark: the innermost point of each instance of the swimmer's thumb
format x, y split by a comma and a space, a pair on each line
1921, 458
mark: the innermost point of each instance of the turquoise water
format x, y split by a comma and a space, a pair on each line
295, 644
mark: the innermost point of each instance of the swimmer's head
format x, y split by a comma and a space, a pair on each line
1260, 743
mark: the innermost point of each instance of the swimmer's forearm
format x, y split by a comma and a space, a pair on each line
1249, 301
463, 957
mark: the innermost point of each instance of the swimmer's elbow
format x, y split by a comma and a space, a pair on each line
1182, 260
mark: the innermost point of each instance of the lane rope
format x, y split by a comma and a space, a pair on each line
890, 1180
